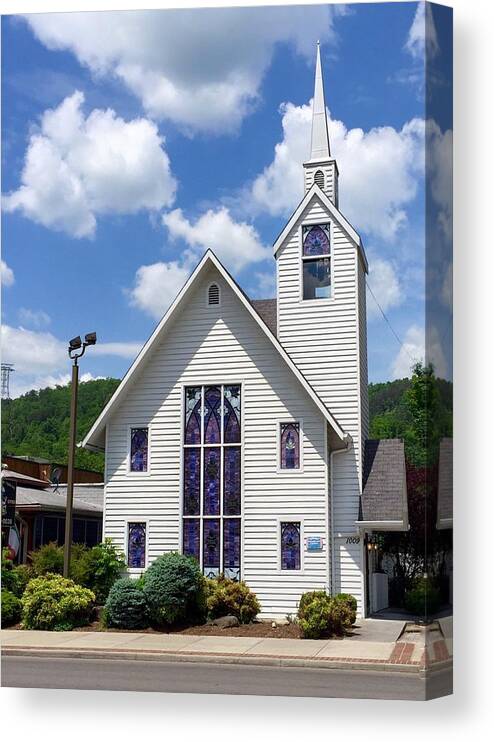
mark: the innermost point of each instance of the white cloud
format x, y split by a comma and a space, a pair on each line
412, 351
447, 288
379, 171
265, 285
121, 350
385, 286
23, 385
237, 244
440, 172
78, 168
6, 274
156, 286
34, 318
422, 36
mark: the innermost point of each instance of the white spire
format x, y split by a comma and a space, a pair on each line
319, 149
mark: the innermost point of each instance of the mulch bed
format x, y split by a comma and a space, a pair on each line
259, 629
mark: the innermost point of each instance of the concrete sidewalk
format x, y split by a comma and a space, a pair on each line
408, 655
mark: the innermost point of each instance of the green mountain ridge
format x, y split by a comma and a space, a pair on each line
37, 424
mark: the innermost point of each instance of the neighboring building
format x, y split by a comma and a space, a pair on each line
47, 470
239, 434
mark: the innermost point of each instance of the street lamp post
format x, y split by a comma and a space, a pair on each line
76, 344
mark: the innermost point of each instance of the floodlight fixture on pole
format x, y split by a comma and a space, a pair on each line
76, 344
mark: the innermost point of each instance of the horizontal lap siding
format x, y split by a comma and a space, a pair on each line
223, 345
328, 344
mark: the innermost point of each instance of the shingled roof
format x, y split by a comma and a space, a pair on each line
383, 505
266, 309
445, 485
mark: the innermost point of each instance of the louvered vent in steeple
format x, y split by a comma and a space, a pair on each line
319, 179
213, 294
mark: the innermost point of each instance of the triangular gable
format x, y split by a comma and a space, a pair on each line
209, 257
345, 225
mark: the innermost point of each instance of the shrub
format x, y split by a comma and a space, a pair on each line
48, 559
423, 599
229, 598
315, 617
175, 589
54, 603
98, 568
11, 608
126, 607
307, 598
350, 602
341, 617
14, 578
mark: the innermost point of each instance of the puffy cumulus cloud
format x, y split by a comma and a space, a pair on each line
6, 274
385, 286
156, 286
440, 171
412, 351
422, 36
77, 168
199, 68
34, 318
237, 244
27, 384
391, 158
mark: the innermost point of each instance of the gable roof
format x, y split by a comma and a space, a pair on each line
267, 310
209, 258
335, 213
384, 504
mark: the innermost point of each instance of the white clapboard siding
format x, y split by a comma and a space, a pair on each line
223, 344
327, 341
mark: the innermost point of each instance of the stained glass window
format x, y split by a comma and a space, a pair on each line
191, 540
316, 263
211, 547
192, 481
136, 545
138, 449
231, 548
212, 465
212, 478
290, 445
290, 545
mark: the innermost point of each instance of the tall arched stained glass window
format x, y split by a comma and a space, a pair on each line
290, 445
136, 545
212, 478
290, 545
138, 449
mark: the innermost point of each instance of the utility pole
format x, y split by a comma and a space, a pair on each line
74, 345
7, 369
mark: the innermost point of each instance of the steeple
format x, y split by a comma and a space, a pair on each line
321, 168
319, 148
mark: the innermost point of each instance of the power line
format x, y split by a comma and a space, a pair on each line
401, 343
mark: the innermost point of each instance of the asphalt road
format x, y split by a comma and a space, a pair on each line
188, 677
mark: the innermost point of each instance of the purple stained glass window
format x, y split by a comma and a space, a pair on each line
191, 538
290, 445
193, 415
290, 545
231, 548
316, 240
138, 449
136, 545
212, 461
211, 547
231, 414
212, 415
192, 481
231, 480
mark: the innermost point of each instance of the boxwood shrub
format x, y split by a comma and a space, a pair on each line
350, 602
54, 603
11, 608
320, 615
229, 598
424, 599
175, 590
126, 606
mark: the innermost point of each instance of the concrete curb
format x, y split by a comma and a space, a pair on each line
224, 659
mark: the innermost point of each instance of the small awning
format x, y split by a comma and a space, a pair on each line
384, 505
445, 485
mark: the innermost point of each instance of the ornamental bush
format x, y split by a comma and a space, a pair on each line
11, 608
54, 603
98, 568
307, 598
350, 602
14, 578
126, 606
48, 559
175, 590
321, 615
229, 598
424, 599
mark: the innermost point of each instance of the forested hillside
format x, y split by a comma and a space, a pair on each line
37, 424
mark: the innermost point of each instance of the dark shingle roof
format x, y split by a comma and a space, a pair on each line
384, 491
266, 309
445, 484
28, 498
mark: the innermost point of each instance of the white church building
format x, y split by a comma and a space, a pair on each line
239, 434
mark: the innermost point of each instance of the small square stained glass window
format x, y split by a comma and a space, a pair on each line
139, 449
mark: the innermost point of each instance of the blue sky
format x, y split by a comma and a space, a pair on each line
127, 152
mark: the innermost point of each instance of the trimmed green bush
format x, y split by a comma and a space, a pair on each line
307, 598
14, 578
315, 618
11, 608
175, 590
424, 599
54, 603
350, 602
126, 607
48, 559
341, 617
229, 598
